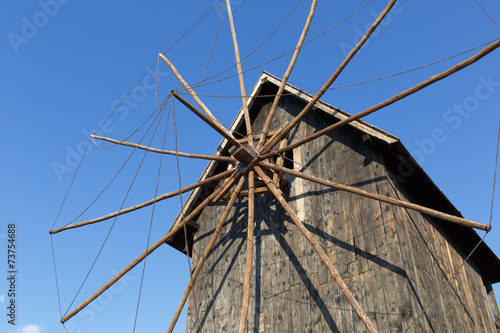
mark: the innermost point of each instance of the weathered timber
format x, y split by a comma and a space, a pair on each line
249, 258
209, 114
335, 275
211, 121
273, 141
149, 202
303, 35
388, 102
152, 248
194, 275
248, 124
398, 263
418, 208
163, 151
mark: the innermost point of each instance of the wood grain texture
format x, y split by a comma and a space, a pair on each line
396, 262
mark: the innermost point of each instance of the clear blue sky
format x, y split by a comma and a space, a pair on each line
65, 64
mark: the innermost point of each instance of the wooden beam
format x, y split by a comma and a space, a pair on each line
248, 124
255, 137
215, 125
163, 151
206, 252
245, 193
278, 176
271, 143
147, 203
404, 204
152, 248
239, 152
230, 182
319, 250
198, 101
249, 259
270, 116
390, 101
493, 301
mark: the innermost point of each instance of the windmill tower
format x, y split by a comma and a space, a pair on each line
310, 220
397, 262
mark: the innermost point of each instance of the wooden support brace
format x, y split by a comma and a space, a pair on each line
152, 248
249, 259
163, 151
206, 252
245, 193
255, 137
404, 204
246, 113
231, 181
147, 203
309, 106
270, 116
278, 176
214, 124
388, 102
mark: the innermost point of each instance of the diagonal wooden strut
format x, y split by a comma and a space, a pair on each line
210, 116
163, 151
248, 124
209, 247
285, 129
147, 203
249, 259
152, 248
390, 101
239, 152
317, 247
219, 128
267, 124
392, 201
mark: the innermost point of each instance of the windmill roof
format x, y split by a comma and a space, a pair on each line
425, 189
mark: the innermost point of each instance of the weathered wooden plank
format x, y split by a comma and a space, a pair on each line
423, 323
484, 315
399, 306
296, 308
350, 321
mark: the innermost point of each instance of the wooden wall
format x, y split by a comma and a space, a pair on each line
395, 261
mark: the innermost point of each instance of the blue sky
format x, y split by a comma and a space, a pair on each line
66, 64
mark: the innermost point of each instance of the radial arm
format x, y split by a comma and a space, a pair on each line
147, 203
390, 101
392, 201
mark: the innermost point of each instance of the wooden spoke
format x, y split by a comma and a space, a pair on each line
248, 124
278, 176
209, 114
249, 259
287, 73
147, 203
390, 101
317, 247
205, 254
152, 248
273, 141
256, 137
392, 201
229, 184
168, 152
215, 125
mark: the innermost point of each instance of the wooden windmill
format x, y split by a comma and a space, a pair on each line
280, 243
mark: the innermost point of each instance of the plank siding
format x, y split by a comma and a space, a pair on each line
396, 262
